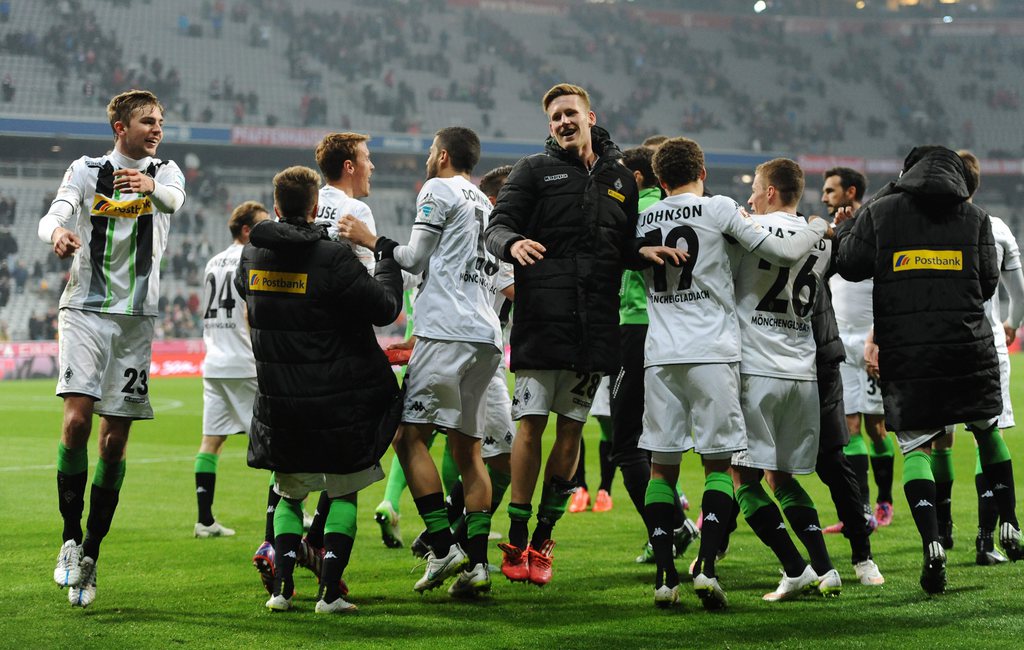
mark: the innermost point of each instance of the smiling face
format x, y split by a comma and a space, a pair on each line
143, 133
569, 122
362, 170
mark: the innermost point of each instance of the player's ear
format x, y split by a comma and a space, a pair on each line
703, 174
638, 177
591, 118
119, 128
348, 167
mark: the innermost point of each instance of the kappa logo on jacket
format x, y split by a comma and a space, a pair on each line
555, 177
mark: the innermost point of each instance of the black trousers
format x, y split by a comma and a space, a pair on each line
628, 398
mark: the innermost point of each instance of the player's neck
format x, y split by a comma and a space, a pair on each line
119, 152
449, 172
345, 186
788, 209
696, 187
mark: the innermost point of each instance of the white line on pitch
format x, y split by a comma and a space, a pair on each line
132, 461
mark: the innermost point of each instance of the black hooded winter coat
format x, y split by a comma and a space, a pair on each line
567, 304
328, 400
933, 258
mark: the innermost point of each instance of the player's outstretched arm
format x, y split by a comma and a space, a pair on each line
787, 251
1013, 281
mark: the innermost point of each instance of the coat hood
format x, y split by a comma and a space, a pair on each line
282, 235
938, 177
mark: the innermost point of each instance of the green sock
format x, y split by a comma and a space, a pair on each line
991, 447
341, 518
659, 491
917, 466
72, 461
719, 482
478, 523
792, 494
288, 517
109, 475
449, 470
499, 485
856, 446
752, 497
883, 448
273, 479
977, 461
206, 463
942, 465
552, 503
396, 483
436, 520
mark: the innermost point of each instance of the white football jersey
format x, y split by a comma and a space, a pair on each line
503, 279
852, 303
123, 235
1008, 256
225, 331
334, 204
692, 308
776, 305
455, 302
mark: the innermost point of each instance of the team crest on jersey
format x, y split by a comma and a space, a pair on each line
617, 184
277, 282
104, 206
916, 260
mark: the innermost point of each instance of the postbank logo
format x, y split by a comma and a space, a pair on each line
916, 260
104, 206
277, 282
616, 195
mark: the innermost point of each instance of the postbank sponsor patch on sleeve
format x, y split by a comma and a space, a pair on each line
617, 196
277, 281
923, 259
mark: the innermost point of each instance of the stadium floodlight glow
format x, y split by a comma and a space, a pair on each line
947, 19
746, 178
860, 4
760, 6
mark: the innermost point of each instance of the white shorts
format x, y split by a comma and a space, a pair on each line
299, 485
782, 418
602, 406
565, 392
227, 405
499, 430
1006, 419
107, 357
861, 393
693, 406
446, 384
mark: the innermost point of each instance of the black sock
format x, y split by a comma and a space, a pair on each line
921, 497
272, 500
944, 503
286, 551
440, 541
338, 550
837, 473
519, 527
988, 511
807, 527
205, 484
102, 504
859, 463
1000, 477
635, 477
659, 531
542, 532
475, 547
769, 528
456, 503
717, 507
315, 534
604, 450
580, 477
734, 516
71, 502
882, 468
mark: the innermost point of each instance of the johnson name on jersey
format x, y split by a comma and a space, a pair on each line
776, 305
455, 301
225, 331
692, 308
123, 235
333, 204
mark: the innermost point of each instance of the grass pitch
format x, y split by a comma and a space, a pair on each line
159, 587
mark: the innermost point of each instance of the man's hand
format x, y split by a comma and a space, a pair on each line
356, 232
404, 345
527, 251
660, 254
871, 356
829, 230
65, 242
842, 214
1011, 333
132, 180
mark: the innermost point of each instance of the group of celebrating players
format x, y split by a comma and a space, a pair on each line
732, 349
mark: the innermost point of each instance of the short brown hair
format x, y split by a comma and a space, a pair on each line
972, 167
560, 90
678, 162
124, 106
492, 181
295, 192
244, 215
654, 141
785, 176
334, 150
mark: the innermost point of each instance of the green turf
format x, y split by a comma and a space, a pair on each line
160, 587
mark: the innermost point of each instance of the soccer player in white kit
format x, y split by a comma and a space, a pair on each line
229, 369
692, 354
112, 213
457, 351
344, 160
779, 393
1012, 279
844, 188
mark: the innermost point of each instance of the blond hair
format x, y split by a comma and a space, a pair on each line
124, 106
561, 90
